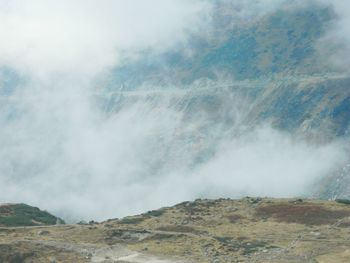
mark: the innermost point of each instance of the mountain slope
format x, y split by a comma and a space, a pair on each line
281, 42
298, 89
275, 63
246, 230
24, 215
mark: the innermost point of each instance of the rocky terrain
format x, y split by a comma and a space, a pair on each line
224, 230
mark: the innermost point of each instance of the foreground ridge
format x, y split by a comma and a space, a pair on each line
223, 230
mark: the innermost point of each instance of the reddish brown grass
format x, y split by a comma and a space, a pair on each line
308, 214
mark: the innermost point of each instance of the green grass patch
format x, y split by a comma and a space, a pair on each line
25, 215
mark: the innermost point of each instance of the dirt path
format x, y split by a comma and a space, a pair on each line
120, 254
106, 254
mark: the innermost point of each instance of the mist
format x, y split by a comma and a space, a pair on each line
70, 147
85, 37
335, 45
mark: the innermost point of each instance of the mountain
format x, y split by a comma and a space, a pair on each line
206, 231
270, 68
282, 42
289, 82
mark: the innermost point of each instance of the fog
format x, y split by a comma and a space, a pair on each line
336, 43
68, 147
46, 37
63, 153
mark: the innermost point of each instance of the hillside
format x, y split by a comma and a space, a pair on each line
13, 215
224, 230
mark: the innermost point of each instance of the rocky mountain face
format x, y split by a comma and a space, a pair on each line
206, 231
287, 81
280, 43
274, 63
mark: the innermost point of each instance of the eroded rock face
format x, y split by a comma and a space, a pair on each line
203, 231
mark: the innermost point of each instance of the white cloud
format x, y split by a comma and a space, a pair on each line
83, 36
267, 162
335, 45
62, 153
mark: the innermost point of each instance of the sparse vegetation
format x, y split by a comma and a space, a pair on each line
178, 229
155, 213
244, 230
234, 218
131, 220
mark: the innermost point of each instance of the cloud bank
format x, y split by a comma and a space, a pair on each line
43, 37
65, 154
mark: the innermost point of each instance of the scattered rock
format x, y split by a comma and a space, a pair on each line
297, 201
43, 233
253, 200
